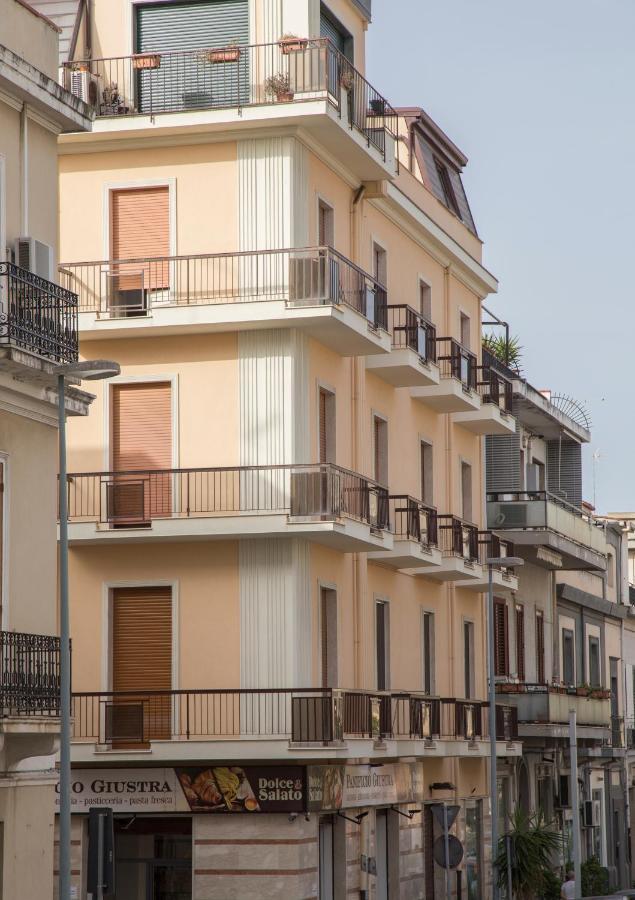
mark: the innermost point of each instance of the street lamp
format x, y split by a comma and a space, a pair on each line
90, 370
509, 562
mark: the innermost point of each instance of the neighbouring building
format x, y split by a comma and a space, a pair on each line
277, 511
559, 639
38, 330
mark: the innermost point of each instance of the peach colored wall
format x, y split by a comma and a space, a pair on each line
325, 185
31, 36
207, 579
205, 196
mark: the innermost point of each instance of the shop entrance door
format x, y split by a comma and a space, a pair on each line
153, 858
381, 853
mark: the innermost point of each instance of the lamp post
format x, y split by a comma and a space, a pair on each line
509, 562
90, 370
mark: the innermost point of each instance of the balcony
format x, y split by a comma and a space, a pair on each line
38, 316
415, 538
413, 354
323, 503
456, 390
458, 542
315, 289
504, 581
543, 710
547, 531
301, 83
494, 416
264, 723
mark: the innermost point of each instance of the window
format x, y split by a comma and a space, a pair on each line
610, 568
466, 491
380, 450
327, 862
427, 647
520, 642
568, 656
501, 644
468, 652
425, 300
380, 264
544, 791
427, 479
540, 647
382, 639
594, 661
465, 331
473, 849
328, 637
446, 186
325, 224
326, 426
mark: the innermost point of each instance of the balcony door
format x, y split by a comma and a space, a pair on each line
328, 637
141, 440
141, 663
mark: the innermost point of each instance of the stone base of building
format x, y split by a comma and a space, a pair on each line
27, 805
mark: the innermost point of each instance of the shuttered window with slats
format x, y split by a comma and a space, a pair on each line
501, 643
520, 642
140, 229
540, 648
142, 653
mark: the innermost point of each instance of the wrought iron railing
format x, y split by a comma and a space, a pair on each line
456, 361
37, 315
409, 329
413, 520
495, 388
458, 538
491, 546
29, 674
309, 276
289, 71
306, 715
135, 498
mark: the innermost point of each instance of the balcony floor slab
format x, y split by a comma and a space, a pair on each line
403, 368
489, 419
504, 585
408, 555
449, 396
455, 568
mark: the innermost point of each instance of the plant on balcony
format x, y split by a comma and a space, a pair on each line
291, 43
583, 690
508, 352
347, 77
279, 86
595, 878
228, 54
534, 841
146, 61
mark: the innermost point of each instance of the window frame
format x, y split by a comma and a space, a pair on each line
428, 679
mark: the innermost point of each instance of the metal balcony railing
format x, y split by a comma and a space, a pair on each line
289, 71
409, 329
491, 546
495, 388
413, 520
135, 498
310, 276
458, 538
304, 715
29, 674
37, 315
456, 361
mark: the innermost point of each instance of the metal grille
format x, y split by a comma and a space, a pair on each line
30, 674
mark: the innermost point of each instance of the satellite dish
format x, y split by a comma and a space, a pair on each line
572, 408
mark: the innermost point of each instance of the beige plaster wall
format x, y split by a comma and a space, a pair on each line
29, 35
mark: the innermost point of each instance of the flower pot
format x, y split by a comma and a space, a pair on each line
284, 96
582, 692
224, 55
146, 61
293, 45
377, 107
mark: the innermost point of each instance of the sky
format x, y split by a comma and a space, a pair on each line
540, 96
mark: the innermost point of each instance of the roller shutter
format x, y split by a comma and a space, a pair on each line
331, 30
140, 229
564, 470
142, 658
188, 80
501, 642
502, 462
520, 643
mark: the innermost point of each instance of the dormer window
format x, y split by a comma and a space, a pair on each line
446, 187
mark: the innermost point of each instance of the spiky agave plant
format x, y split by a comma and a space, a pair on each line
508, 352
533, 844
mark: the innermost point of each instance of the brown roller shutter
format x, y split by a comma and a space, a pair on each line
322, 427
520, 642
141, 440
540, 648
142, 657
501, 643
140, 229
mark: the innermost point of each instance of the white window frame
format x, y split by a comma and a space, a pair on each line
321, 200
330, 389
111, 186
385, 601
375, 414
328, 586
431, 662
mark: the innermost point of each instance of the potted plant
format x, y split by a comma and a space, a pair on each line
228, 54
583, 690
377, 106
291, 43
346, 78
146, 61
279, 86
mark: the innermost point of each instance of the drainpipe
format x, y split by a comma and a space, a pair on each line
24, 171
449, 480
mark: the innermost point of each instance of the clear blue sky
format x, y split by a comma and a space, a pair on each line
540, 96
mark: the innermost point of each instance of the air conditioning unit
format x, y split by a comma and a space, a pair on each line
34, 256
85, 86
511, 515
589, 815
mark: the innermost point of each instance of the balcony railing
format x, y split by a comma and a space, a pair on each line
458, 538
311, 276
307, 715
135, 498
29, 674
412, 520
409, 329
491, 546
151, 83
495, 388
37, 315
456, 361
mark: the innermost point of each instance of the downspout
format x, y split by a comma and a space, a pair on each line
24, 171
358, 561
449, 480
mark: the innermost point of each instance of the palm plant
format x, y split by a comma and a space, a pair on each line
509, 352
533, 842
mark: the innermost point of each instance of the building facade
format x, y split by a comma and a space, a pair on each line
277, 512
38, 330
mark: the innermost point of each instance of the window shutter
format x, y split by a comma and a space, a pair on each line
142, 652
140, 229
501, 643
380, 437
520, 642
540, 648
323, 426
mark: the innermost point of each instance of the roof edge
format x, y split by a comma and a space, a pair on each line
39, 15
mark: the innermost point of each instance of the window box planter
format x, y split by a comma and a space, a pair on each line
223, 55
582, 692
508, 688
292, 45
146, 61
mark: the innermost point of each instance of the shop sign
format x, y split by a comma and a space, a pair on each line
201, 789
347, 787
